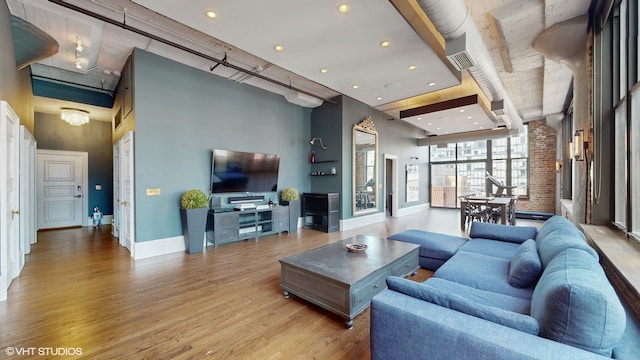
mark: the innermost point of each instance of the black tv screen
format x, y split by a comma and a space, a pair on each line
237, 171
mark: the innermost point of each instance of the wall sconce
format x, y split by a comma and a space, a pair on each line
414, 158
313, 141
580, 146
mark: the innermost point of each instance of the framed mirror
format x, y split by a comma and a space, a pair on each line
365, 167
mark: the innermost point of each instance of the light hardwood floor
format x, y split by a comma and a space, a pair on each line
80, 289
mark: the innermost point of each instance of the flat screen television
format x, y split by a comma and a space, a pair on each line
237, 171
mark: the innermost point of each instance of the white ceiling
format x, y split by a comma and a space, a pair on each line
316, 36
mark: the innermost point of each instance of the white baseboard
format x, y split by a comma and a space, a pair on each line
159, 247
165, 246
106, 220
359, 221
412, 209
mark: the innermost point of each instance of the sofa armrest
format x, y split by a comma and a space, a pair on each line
508, 233
403, 327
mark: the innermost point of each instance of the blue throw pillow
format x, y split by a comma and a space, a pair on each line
525, 267
456, 302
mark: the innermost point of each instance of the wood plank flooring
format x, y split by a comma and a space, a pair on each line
80, 289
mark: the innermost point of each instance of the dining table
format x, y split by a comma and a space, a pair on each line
501, 203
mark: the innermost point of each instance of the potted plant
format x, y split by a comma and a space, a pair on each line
289, 196
193, 212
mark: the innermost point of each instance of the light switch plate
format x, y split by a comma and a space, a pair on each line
153, 192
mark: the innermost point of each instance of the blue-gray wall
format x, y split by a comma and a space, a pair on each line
52, 133
334, 122
182, 114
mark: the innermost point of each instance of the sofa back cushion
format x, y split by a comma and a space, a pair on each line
525, 267
560, 239
575, 304
459, 303
558, 234
557, 222
514, 234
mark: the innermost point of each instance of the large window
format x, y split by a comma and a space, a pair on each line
635, 162
460, 169
620, 166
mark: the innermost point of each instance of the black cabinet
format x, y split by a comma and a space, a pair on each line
226, 227
321, 211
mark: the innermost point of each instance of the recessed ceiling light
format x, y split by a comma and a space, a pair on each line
343, 8
211, 14
429, 124
278, 48
469, 117
323, 70
385, 43
379, 98
419, 118
461, 110
412, 67
475, 123
431, 84
437, 128
481, 127
355, 86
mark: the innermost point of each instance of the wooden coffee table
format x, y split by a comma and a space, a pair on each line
344, 282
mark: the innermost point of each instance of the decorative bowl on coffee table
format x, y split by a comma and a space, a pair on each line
357, 248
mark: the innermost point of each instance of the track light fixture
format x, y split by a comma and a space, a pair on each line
313, 141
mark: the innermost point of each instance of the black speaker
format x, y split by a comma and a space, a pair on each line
245, 199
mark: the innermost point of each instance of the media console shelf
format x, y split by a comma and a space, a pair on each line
321, 211
229, 226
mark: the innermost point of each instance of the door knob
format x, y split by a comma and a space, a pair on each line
77, 196
14, 212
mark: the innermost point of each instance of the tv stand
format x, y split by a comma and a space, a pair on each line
230, 226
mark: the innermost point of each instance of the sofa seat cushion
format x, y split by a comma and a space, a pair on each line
434, 247
575, 304
508, 233
459, 303
505, 302
501, 249
525, 266
482, 272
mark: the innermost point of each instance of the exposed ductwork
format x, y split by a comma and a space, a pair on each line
454, 22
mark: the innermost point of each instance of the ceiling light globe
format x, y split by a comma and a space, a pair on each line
343, 8
211, 14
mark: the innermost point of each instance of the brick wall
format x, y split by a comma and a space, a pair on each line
542, 169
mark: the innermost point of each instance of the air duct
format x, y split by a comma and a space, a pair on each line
454, 22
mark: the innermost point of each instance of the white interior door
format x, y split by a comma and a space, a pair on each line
115, 227
62, 189
9, 197
127, 219
27, 193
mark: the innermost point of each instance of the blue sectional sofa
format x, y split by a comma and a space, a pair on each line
507, 293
